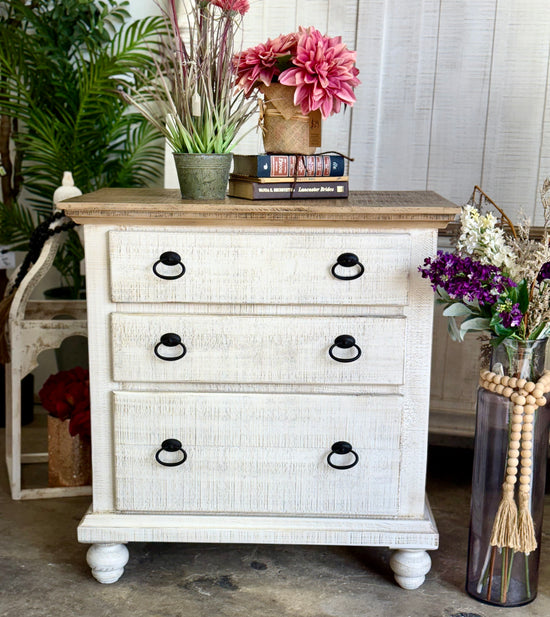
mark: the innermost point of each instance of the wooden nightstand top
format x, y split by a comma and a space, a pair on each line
165, 207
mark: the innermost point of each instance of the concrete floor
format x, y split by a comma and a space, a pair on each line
43, 571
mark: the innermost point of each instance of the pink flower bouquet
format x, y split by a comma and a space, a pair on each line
320, 68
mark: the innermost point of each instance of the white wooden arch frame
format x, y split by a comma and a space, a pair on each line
34, 326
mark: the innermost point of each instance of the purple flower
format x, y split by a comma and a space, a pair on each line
510, 314
544, 273
465, 279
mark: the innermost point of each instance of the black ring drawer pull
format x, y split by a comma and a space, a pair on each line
344, 341
171, 259
348, 260
170, 339
340, 448
171, 445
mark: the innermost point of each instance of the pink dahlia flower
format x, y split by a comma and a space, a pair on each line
240, 6
324, 73
260, 63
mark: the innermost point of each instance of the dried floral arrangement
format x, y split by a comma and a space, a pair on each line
321, 68
497, 281
193, 101
498, 278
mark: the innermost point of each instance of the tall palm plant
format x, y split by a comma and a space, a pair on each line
63, 68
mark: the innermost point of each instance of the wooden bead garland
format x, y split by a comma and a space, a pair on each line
509, 529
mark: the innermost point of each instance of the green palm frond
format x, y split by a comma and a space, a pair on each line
135, 44
16, 226
135, 160
62, 72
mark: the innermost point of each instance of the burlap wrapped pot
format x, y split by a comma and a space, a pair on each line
285, 129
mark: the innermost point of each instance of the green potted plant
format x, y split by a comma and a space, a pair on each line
193, 101
62, 69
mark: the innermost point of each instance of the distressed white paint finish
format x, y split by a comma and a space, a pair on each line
241, 268
273, 421
257, 453
33, 327
410, 567
237, 349
417, 374
107, 561
397, 533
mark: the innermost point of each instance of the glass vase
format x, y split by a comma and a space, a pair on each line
505, 576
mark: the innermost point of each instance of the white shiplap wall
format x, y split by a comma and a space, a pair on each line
454, 92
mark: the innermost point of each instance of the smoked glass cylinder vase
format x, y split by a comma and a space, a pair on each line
505, 576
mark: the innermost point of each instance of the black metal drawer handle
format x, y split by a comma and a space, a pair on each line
341, 448
170, 339
171, 445
344, 341
348, 260
170, 259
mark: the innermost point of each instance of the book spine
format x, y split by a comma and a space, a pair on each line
289, 165
289, 190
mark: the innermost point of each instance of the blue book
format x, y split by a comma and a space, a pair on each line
288, 165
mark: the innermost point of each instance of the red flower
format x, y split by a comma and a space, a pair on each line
324, 74
80, 420
262, 63
66, 395
240, 6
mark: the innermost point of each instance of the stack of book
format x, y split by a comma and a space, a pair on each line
288, 176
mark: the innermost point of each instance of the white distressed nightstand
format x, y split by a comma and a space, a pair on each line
259, 372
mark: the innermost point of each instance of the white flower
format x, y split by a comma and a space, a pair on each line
481, 238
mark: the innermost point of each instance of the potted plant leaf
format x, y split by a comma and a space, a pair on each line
192, 100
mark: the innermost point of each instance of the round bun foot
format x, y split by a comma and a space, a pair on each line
410, 567
107, 561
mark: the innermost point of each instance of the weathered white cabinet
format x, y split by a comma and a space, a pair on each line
250, 382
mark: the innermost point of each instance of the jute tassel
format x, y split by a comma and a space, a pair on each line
505, 530
5, 306
526, 528
510, 529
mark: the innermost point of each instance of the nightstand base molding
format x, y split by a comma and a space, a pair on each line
410, 537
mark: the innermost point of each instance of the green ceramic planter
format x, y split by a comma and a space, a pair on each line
203, 176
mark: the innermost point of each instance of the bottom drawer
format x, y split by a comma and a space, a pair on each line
257, 453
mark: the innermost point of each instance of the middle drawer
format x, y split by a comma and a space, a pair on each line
257, 349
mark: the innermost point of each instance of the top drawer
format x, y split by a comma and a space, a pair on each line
259, 268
